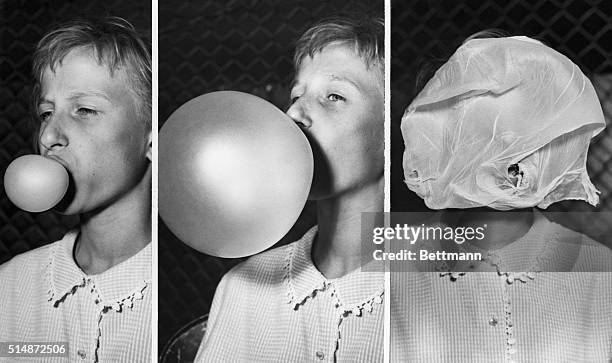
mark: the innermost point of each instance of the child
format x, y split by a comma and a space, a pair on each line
505, 124
91, 289
308, 300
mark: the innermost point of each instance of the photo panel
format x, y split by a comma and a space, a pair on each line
226, 73
75, 221
499, 242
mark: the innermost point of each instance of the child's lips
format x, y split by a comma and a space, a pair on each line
59, 160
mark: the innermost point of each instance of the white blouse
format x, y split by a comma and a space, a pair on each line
509, 317
277, 307
46, 297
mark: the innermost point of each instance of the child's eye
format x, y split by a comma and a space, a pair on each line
44, 116
84, 111
335, 97
294, 99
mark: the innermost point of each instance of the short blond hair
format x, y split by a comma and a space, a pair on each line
365, 34
113, 41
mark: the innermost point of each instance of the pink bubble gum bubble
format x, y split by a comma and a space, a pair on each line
35, 183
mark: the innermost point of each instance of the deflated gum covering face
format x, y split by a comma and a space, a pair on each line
506, 124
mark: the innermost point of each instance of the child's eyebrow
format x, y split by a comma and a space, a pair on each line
77, 95
334, 77
44, 101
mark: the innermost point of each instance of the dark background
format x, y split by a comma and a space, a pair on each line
22, 24
425, 33
206, 46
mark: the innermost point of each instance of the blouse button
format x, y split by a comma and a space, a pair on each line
81, 353
320, 355
493, 321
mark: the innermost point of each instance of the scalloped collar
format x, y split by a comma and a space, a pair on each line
119, 285
524, 258
352, 292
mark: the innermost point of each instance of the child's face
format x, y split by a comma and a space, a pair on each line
339, 104
89, 123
